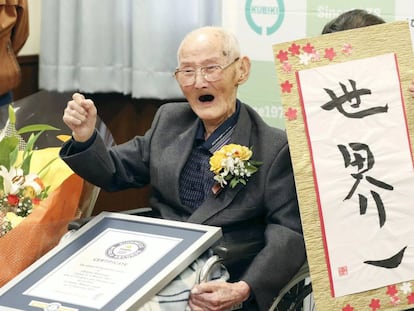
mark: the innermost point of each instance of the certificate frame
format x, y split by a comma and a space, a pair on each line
191, 241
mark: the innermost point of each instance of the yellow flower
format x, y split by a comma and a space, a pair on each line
14, 219
232, 164
231, 150
241, 152
29, 192
215, 162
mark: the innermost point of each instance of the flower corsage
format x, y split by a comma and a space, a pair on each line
232, 165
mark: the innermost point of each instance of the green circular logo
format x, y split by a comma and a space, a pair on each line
259, 15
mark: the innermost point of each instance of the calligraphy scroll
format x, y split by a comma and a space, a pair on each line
348, 118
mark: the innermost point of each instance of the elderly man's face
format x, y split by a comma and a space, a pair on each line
215, 101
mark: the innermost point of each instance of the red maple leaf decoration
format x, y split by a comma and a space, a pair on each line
286, 87
291, 114
375, 304
294, 49
330, 53
392, 290
282, 56
410, 299
308, 48
348, 308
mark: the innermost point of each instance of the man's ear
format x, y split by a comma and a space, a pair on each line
243, 70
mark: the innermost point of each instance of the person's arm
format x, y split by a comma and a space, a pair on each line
20, 31
80, 116
112, 168
218, 295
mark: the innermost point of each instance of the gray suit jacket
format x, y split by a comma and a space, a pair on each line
265, 211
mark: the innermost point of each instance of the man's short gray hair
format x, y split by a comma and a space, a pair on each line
231, 47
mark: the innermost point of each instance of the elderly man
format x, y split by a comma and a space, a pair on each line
258, 207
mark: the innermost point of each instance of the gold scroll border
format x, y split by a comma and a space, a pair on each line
366, 42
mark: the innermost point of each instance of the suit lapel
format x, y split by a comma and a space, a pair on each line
175, 157
215, 203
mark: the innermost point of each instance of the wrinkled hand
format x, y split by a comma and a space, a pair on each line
411, 88
218, 295
80, 117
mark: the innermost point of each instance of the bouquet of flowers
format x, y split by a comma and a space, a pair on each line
20, 190
232, 164
35, 205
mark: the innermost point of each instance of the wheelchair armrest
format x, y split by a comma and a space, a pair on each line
76, 224
239, 250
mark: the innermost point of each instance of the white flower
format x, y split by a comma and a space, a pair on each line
232, 164
13, 219
406, 288
13, 180
305, 58
33, 181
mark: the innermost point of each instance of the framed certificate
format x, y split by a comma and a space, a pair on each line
114, 262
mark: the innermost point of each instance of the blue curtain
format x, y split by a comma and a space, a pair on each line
126, 46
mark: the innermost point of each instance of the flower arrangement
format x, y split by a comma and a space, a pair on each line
20, 189
232, 165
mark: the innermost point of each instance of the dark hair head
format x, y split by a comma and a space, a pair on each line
352, 19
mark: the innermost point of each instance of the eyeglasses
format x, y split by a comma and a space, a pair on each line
210, 73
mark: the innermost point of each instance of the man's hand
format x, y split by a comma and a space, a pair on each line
80, 117
218, 295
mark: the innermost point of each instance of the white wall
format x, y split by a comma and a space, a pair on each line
32, 45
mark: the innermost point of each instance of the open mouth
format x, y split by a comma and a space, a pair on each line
206, 98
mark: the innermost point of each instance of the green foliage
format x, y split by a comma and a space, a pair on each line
9, 144
8, 151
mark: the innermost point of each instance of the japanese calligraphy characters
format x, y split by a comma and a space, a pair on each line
364, 161
363, 170
338, 102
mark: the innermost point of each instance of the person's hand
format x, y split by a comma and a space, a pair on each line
218, 295
411, 88
80, 117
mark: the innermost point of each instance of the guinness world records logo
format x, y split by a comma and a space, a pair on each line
260, 13
125, 249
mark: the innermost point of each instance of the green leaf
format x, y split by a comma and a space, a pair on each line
234, 182
45, 169
255, 163
36, 128
13, 156
228, 177
28, 152
12, 115
7, 146
26, 164
31, 141
252, 169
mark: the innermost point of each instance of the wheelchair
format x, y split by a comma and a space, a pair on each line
295, 296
